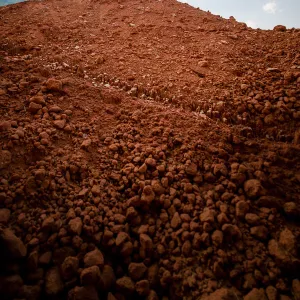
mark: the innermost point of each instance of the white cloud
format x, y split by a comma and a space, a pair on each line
251, 24
270, 7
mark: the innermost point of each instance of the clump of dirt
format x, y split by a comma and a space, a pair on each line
149, 150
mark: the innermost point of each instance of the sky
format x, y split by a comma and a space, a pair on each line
264, 14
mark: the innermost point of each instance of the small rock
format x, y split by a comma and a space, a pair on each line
83, 293
55, 109
107, 278
290, 208
260, 232
38, 99
10, 286
59, 124
252, 219
146, 241
150, 162
34, 107
256, 294
94, 258
241, 209
148, 195
5, 159
288, 241
296, 289
96, 190
271, 293
75, 226
217, 238
191, 169
231, 231
69, 267
4, 215
136, 270
221, 294
176, 221
142, 287
12, 244
53, 283
253, 188
54, 85
280, 28
86, 144
207, 216
122, 237
90, 276
125, 285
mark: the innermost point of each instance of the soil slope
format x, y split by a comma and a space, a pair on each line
148, 150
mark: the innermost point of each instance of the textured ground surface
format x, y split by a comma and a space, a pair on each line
148, 150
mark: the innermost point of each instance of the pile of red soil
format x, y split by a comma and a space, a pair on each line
148, 150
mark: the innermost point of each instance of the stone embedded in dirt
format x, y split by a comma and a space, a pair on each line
217, 238
107, 278
142, 287
231, 231
136, 270
221, 294
75, 226
11, 286
38, 99
148, 195
45, 258
53, 282
59, 124
143, 168
253, 188
90, 276
12, 245
191, 169
291, 209
86, 144
296, 288
5, 159
5, 126
48, 224
288, 241
271, 292
83, 293
121, 238
54, 85
96, 191
146, 241
207, 215
260, 232
256, 294
69, 267
54, 109
241, 209
269, 202
125, 285
4, 215
34, 107
280, 28
31, 292
252, 219
32, 261
94, 258
176, 221
151, 162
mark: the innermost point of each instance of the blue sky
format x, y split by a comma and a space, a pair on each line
264, 14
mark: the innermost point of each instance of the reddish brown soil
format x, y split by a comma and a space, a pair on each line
149, 150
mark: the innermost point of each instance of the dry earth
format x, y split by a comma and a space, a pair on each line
149, 150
